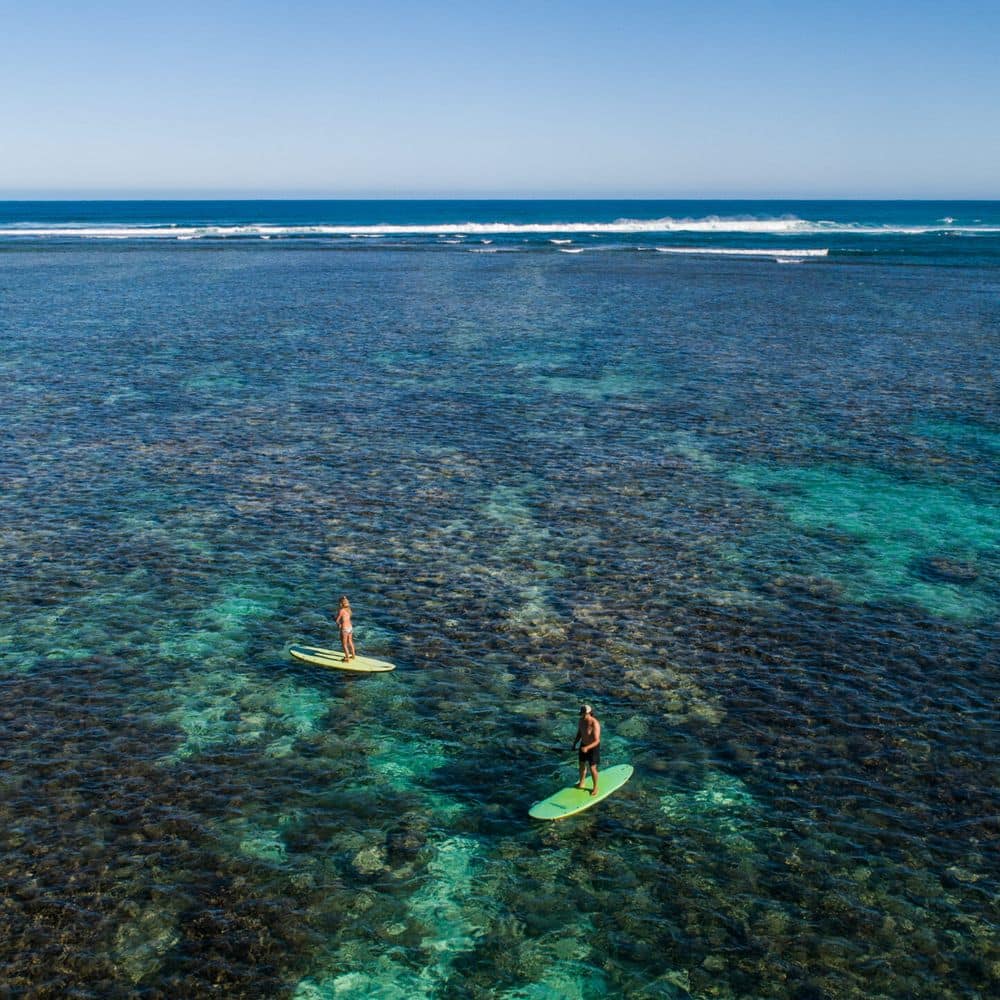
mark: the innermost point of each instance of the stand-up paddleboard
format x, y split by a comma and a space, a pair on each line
570, 801
334, 659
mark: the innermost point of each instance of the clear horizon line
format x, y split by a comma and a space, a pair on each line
256, 195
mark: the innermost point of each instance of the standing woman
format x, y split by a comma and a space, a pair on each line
346, 629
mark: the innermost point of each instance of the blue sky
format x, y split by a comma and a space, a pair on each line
386, 98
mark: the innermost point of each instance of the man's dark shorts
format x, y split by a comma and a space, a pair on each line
592, 756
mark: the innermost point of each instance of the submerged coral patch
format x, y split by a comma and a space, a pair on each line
689, 492
894, 531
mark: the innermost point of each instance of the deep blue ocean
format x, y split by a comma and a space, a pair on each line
728, 471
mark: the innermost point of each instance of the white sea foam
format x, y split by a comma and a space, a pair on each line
560, 241
709, 224
572, 250
783, 254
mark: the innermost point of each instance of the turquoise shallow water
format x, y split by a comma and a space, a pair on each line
748, 511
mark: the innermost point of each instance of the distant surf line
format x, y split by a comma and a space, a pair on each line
740, 252
787, 226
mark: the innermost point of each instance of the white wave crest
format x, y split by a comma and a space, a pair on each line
783, 254
560, 241
710, 224
571, 250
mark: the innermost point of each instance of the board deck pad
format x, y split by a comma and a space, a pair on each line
570, 801
334, 659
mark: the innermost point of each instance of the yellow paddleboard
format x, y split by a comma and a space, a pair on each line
570, 801
334, 659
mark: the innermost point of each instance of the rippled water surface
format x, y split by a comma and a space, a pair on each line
748, 511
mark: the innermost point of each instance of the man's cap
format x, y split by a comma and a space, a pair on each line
585, 710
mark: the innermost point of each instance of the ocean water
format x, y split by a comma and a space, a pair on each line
749, 511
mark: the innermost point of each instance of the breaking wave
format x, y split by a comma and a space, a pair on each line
783, 254
789, 225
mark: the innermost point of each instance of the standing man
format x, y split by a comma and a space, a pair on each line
588, 734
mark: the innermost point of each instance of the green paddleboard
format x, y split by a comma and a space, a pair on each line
570, 801
334, 659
